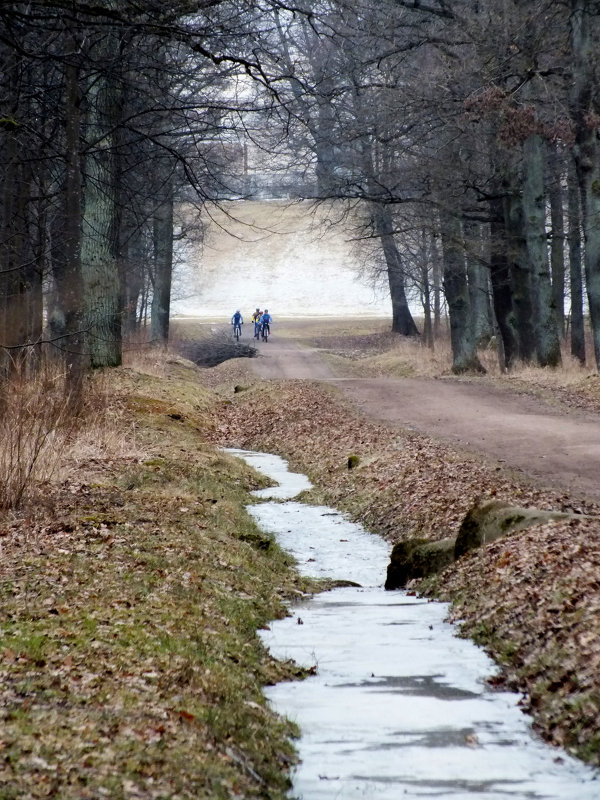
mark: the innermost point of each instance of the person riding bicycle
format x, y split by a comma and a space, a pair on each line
256, 320
237, 321
265, 321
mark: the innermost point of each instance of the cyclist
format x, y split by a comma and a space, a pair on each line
237, 321
256, 320
265, 323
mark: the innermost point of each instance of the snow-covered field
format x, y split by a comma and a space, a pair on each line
284, 256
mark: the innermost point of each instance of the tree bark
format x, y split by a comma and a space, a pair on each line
163, 267
68, 275
426, 293
14, 232
575, 276
477, 276
586, 154
99, 249
520, 276
501, 285
557, 253
402, 320
464, 347
547, 343
437, 289
132, 275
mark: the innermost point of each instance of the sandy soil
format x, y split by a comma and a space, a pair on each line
554, 445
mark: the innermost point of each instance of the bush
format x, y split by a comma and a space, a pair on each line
35, 422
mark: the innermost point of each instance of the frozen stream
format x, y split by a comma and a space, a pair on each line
399, 707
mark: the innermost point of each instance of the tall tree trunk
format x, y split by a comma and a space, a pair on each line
436, 270
464, 347
575, 276
586, 153
132, 275
426, 293
100, 228
67, 271
14, 233
477, 276
19, 255
163, 267
547, 342
520, 275
402, 320
557, 251
38, 271
501, 285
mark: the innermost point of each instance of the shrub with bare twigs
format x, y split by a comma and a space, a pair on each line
35, 424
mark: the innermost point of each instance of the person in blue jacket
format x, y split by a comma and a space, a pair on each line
237, 321
266, 320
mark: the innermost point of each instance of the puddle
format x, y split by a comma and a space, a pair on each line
399, 707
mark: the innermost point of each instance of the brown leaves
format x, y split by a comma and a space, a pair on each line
541, 617
533, 599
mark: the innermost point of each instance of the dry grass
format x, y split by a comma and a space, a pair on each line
35, 425
102, 432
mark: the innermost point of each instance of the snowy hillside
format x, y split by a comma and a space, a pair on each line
277, 254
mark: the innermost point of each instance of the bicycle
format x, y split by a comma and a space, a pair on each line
266, 330
237, 330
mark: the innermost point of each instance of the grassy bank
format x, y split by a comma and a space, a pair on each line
131, 590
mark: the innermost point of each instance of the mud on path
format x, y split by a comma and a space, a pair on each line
551, 443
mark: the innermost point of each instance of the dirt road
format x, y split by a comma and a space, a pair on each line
554, 445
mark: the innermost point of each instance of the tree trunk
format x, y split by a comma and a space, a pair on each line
14, 233
437, 289
586, 154
557, 252
69, 280
575, 276
520, 276
402, 321
38, 273
477, 276
100, 229
501, 285
18, 256
132, 276
464, 347
547, 342
163, 267
426, 293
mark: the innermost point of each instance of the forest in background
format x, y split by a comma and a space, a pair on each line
463, 135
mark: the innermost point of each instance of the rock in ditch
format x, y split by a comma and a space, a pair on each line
418, 558
489, 521
483, 523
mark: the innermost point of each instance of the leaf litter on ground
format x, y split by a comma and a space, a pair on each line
531, 599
